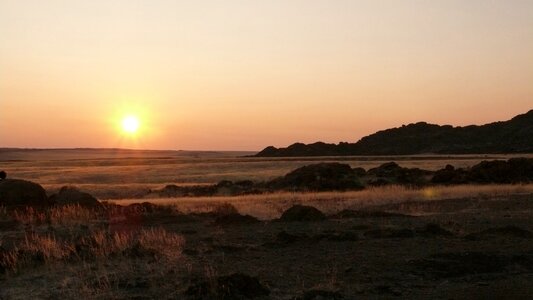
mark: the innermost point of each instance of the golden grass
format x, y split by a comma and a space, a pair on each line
98, 244
61, 215
269, 206
115, 178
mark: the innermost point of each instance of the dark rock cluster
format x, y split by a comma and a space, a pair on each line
514, 170
318, 177
69, 195
15, 193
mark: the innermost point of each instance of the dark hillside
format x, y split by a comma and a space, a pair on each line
513, 136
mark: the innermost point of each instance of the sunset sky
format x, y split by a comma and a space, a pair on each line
242, 75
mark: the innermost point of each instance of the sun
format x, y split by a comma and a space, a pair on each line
130, 124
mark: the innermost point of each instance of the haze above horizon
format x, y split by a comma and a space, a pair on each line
242, 75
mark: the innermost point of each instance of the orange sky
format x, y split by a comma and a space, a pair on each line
241, 75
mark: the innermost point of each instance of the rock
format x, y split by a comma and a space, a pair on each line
69, 195
515, 170
234, 286
392, 173
319, 177
3, 175
302, 213
385, 170
229, 188
450, 175
171, 190
17, 193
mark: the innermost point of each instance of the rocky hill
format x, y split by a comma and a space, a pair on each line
513, 136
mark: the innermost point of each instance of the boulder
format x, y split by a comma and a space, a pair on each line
450, 175
302, 213
392, 173
17, 192
515, 170
319, 177
230, 188
69, 195
390, 169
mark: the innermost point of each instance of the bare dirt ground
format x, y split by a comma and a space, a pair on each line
478, 248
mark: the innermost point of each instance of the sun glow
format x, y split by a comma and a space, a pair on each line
130, 124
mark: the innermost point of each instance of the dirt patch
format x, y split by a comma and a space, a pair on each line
433, 230
319, 294
6, 225
507, 231
447, 265
234, 286
285, 238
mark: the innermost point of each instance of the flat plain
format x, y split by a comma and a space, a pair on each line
437, 242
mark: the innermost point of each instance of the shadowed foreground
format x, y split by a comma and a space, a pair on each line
457, 248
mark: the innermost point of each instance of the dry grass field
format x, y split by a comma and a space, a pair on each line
439, 242
117, 174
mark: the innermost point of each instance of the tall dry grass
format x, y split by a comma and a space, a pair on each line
61, 215
269, 206
38, 249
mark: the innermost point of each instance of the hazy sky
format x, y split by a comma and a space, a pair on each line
241, 75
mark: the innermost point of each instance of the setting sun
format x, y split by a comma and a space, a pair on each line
130, 124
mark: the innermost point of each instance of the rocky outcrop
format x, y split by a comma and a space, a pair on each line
18, 193
302, 213
514, 170
512, 136
69, 195
392, 173
318, 177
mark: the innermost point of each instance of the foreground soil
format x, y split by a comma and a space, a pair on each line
478, 248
